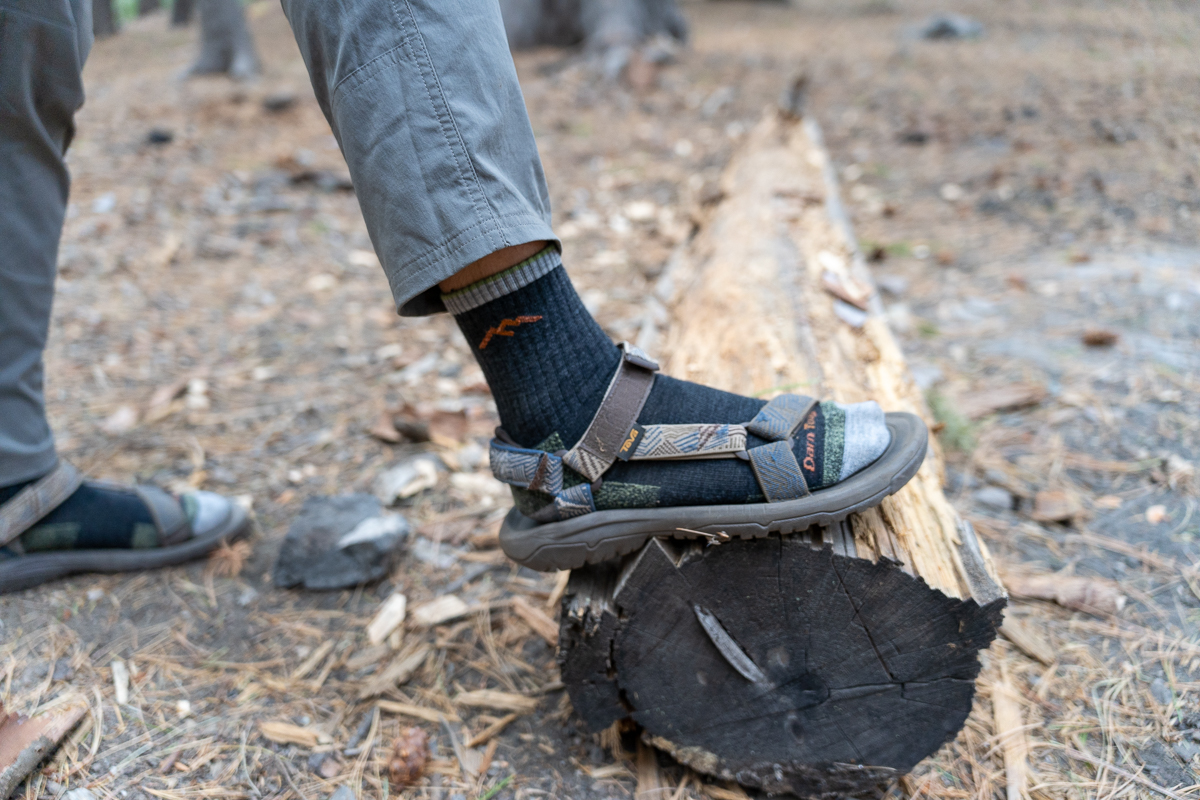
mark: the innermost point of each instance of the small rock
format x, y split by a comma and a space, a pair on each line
279, 101
950, 26
63, 670
123, 420
1156, 514
894, 285
338, 542
1055, 506
343, 793
159, 136
994, 497
435, 554
1099, 337
406, 479
79, 794
248, 596
1162, 692
1186, 750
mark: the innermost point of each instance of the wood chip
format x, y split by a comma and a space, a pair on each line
1056, 506
486, 735
651, 783
446, 608
1094, 595
732, 792
396, 673
1028, 640
501, 701
388, 618
25, 743
537, 619
282, 732
847, 290
120, 676
560, 588
982, 402
367, 656
1012, 738
416, 712
313, 660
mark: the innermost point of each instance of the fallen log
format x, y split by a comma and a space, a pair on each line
822, 663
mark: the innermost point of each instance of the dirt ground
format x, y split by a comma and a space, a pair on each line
222, 322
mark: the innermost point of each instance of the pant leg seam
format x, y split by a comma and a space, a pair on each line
468, 175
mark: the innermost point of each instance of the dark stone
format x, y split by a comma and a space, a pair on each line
159, 136
339, 542
950, 26
279, 101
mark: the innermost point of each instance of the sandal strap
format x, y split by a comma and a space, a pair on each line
37, 500
778, 420
167, 513
684, 442
777, 471
615, 419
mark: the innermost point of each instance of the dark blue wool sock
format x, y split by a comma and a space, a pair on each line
93, 518
548, 364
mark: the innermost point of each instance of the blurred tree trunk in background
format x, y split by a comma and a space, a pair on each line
104, 19
146, 6
225, 42
181, 12
611, 27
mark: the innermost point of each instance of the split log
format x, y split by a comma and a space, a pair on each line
823, 663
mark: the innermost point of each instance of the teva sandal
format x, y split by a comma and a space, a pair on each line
569, 532
182, 536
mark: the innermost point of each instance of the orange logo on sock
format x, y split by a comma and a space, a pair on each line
503, 328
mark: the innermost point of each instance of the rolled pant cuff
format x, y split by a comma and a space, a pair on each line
415, 282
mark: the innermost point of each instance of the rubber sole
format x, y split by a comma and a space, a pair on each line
24, 572
605, 535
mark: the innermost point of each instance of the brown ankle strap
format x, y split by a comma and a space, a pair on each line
617, 415
37, 500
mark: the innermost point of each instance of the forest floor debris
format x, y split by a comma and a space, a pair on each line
222, 322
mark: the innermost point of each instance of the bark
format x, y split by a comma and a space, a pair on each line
225, 42
822, 663
105, 22
181, 12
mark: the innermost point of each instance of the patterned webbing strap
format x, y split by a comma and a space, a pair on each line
779, 418
37, 500
775, 466
617, 415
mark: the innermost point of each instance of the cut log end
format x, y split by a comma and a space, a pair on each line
803, 671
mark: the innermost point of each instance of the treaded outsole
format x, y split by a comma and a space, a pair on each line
25, 572
594, 544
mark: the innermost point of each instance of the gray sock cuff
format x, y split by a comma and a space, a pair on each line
502, 283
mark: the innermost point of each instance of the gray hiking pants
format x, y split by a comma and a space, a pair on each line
422, 96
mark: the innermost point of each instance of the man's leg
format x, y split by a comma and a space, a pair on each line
423, 97
52, 523
42, 49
